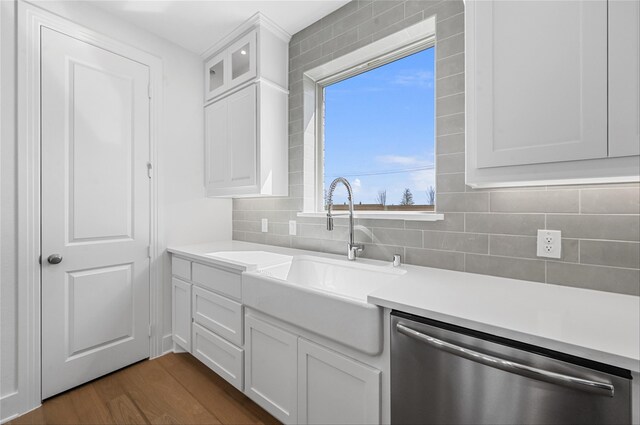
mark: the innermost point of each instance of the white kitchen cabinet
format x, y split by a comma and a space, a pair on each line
219, 355
246, 146
246, 124
537, 93
231, 67
334, 389
271, 368
218, 314
624, 78
258, 49
181, 312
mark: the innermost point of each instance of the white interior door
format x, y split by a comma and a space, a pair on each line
95, 211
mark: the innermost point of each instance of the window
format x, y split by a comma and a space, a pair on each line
378, 131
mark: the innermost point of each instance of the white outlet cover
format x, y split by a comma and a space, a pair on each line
549, 243
265, 225
292, 227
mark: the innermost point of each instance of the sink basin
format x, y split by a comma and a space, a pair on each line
325, 296
250, 258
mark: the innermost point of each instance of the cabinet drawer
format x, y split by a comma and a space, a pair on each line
221, 281
181, 268
224, 358
218, 314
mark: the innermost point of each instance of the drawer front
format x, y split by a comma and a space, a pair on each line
181, 268
223, 358
221, 281
218, 314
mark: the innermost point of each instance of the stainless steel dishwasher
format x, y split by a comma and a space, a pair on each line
446, 374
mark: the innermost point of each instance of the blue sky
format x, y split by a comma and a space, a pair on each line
382, 121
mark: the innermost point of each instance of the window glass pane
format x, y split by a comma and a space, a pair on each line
379, 134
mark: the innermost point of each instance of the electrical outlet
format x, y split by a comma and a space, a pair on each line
292, 227
265, 225
549, 243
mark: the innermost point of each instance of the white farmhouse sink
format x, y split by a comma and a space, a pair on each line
325, 296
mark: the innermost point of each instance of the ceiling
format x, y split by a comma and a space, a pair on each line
197, 25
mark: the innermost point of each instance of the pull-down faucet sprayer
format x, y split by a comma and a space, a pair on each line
352, 247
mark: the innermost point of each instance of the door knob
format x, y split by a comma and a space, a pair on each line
54, 259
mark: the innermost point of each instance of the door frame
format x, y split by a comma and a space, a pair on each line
30, 21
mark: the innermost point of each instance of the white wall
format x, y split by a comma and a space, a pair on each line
185, 215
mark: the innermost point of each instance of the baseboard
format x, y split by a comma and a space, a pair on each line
167, 344
10, 407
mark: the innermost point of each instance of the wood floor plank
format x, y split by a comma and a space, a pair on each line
59, 410
124, 412
249, 405
175, 389
157, 393
201, 383
89, 406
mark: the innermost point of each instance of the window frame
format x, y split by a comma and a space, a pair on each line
395, 45
353, 71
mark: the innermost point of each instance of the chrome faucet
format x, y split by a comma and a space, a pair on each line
352, 247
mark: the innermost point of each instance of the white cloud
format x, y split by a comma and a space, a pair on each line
398, 159
423, 179
414, 78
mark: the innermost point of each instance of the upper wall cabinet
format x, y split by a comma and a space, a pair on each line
552, 92
257, 49
624, 78
246, 110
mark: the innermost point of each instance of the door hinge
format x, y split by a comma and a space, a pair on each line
149, 167
149, 251
150, 327
149, 90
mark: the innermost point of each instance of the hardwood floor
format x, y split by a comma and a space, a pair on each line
172, 389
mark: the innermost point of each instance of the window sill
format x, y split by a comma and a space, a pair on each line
381, 215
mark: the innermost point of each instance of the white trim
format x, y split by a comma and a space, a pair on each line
258, 19
30, 21
402, 43
167, 344
9, 407
381, 215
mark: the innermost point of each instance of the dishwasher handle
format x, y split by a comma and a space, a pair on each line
593, 387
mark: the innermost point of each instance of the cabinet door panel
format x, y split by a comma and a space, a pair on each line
538, 78
181, 313
242, 137
219, 355
624, 78
218, 314
270, 369
334, 389
216, 144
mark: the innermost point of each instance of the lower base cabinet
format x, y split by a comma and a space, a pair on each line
181, 313
219, 355
334, 389
301, 382
271, 368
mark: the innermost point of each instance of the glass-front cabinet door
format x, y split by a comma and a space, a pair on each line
231, 67
216, 75
242, 57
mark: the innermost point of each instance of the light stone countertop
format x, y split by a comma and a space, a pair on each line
597, 325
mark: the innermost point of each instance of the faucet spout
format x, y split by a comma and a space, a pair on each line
352, 247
